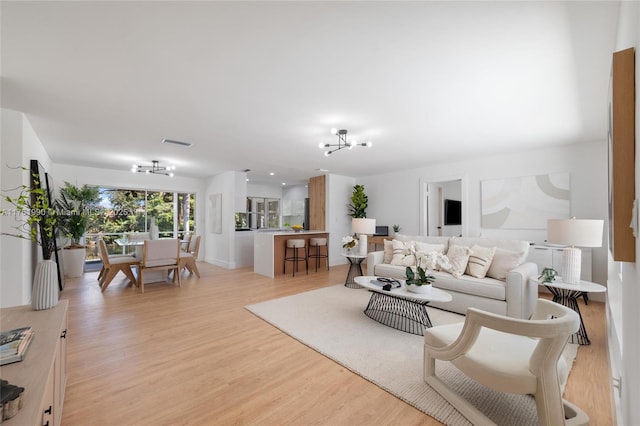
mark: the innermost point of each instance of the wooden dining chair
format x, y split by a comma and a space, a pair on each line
112, 265
189, 258
160, 255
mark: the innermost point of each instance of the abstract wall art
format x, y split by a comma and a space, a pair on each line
525, 202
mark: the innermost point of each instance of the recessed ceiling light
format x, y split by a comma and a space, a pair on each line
174, 142
284, 183
271, 173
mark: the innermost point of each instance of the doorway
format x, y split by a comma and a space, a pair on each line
442, 207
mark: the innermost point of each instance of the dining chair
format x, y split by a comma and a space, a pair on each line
508, 355
189, 258
161, 254
186, 240
112, 265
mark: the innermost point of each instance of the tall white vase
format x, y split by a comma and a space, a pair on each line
44, 293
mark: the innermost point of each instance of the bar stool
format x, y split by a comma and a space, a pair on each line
295, 245
317, 244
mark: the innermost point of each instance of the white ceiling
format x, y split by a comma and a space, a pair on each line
259, 85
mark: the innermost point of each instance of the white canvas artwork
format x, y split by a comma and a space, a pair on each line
525, 202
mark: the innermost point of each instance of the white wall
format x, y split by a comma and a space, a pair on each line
338, 222
220, 248
20, 144
395, 197
629, 273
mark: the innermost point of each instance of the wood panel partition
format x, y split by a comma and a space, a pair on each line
317, 203
622, 156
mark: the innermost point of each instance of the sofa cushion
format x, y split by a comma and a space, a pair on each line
458, 257
479, 260
482, 287
390, 271
401, 255
504, 261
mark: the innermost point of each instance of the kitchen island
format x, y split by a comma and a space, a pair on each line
268, 249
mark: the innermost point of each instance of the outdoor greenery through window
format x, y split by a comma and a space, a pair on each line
125, 211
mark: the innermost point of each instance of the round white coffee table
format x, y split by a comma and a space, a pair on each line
399, 308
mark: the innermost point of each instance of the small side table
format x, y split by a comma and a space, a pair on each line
567, 294
355, 268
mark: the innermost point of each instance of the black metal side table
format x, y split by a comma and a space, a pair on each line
355, 268
567, 294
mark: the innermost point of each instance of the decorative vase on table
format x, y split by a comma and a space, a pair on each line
418, 281
418, 288
44, 293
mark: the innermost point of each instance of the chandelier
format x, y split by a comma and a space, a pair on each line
154, 168
342, 142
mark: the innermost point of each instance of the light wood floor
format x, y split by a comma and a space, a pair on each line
194, 355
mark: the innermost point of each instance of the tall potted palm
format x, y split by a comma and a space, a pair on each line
75, 206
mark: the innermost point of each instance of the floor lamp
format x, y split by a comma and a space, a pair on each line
361, 227
574, 232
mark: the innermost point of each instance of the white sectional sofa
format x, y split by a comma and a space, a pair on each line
506, 288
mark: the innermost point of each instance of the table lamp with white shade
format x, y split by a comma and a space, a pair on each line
363, 227
574, 233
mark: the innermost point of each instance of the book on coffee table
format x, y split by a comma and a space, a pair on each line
382, 281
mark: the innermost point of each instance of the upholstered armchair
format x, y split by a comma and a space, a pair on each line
160, 255
508, 355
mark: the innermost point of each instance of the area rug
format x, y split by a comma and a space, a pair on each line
331, 321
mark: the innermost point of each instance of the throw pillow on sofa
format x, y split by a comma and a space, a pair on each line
458, 258
401, 255
504, 261
428, 248
480, 260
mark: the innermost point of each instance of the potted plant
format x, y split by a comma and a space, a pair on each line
359, 202
418, 281
74, 208
548, 275
37, 222
396, 229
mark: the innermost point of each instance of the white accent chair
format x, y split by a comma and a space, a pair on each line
160, 255
111, 265
189, 258
508, 355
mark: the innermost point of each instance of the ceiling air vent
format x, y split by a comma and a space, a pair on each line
171, 141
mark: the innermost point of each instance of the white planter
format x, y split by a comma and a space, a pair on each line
418, 288
44, 293
73, 262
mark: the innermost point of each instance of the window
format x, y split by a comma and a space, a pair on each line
261, 213
126, 210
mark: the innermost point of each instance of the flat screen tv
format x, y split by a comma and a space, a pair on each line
452, 212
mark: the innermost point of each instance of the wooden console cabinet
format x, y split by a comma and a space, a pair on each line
43, 372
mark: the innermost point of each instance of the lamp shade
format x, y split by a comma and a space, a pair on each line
363, 226
575, 232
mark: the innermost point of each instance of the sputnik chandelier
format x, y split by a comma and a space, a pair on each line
342, 142
154, 168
